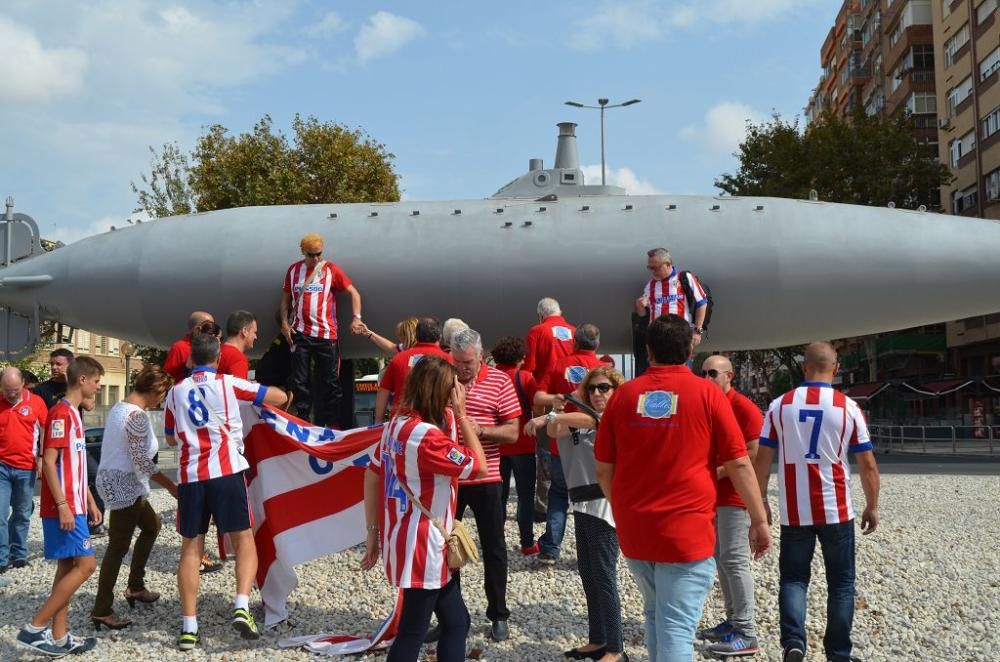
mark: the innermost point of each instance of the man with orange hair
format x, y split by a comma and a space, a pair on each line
309, 323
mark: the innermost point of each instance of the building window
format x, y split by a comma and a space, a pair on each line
964, 200
113, 346
961, 38
113, 394
101, 397
958, 94
991, 184
945, 8
990, 64
921, 102
962, 146
83, 341
985, 10
991, 123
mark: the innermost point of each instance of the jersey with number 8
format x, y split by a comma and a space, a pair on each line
813, 427
203, 414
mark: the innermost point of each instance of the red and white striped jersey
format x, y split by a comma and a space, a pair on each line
203, 414
314, 307
490, 399
666, 297
429, 463
813, 427
64, 432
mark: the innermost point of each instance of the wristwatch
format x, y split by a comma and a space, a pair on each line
357, 317
550, 417
698, 329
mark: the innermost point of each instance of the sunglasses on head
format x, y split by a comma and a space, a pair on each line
210, 328
316, 254
711, 374
603, 388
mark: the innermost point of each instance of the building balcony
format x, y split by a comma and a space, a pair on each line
928, 343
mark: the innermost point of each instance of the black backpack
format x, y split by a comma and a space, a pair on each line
689, 294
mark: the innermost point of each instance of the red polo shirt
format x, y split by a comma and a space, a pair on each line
21, 426
750, 421
547, 342
566, 376
665, 432
490, 399
176, 363
525, 442
233, 362
399, 367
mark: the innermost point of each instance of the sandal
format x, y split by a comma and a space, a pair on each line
144, 596
111, 621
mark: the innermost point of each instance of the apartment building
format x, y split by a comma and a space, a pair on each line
107, 351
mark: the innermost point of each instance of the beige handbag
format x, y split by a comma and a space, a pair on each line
459, 546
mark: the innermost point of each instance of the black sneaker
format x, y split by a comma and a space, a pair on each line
499, 631
4, 568
20, 563
794, 654
432, 635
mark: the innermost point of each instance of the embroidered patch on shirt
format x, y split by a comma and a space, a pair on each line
456, 456
415, 359
25, 411
575, 374
657, 404
562, 333
58, 429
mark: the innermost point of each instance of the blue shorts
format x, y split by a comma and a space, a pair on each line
223, 499
61, 544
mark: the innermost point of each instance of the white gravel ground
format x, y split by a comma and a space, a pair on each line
928, 589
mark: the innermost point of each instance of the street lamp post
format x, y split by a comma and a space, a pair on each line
127, 350
602, 103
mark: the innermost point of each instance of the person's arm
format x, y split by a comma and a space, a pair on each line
383, 344
165, 482
355, 306
504, 433
275, 397
741, 472
605, 476
642, 306
470, 438
286, 328
752, 447
381, 403
50, 459
136, 443
871, 484
373, 502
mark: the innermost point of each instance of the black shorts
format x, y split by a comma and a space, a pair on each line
223, 498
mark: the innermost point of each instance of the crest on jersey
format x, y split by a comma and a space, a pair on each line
657, 404
58, 429
25, 411
456, 456
415, 359
562, 333
85, 544
575, 374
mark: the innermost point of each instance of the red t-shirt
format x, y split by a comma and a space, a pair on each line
566, 376
176, 363
64, 432
665, 432
314, 306
233, 362
21, 426
547, 342
399, 367
525, 442
750, 421
490, 399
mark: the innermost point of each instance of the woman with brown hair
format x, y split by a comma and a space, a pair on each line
127, 464
596, 539
418, 459
406, 331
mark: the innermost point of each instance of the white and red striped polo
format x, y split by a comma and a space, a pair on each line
314, 306
203, 414
429, 463
666, 297
813, 427
64, 432
490, 399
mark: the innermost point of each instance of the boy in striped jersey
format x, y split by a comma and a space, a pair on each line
66, 502
812, 428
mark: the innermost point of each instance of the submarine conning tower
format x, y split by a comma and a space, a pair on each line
565, 180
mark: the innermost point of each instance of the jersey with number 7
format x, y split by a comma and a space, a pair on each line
813, 427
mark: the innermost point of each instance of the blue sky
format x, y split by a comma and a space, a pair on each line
464, 93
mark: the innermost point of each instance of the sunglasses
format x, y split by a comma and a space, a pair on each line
603, 388
314, 254
711, 374
209, 328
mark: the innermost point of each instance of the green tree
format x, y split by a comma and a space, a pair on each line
858, 160
167, 191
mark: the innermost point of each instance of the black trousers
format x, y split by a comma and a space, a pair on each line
326, 355
415, 619
487, 508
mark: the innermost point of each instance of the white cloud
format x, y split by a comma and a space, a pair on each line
724, 127
630, 23
332, 23
30, 72
624, 177
385, 34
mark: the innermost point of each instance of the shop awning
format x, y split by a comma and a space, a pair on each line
861, 392
939, 388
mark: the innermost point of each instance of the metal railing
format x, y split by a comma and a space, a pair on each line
956, 440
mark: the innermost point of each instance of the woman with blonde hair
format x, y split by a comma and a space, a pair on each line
406, 332
596, 539
127, 465
411, 491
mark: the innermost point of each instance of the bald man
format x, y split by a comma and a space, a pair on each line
22, 418
737, 635
177, 358
813, 428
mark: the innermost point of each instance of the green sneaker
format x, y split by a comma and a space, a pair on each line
244, 624
188, 640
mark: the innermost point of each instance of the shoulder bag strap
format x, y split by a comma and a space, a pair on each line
416, 502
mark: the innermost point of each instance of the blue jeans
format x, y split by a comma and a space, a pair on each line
17, 487
555, 524
673, 596
797, 546
523, 469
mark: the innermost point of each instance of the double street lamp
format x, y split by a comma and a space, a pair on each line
602, 104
